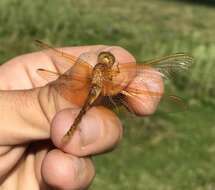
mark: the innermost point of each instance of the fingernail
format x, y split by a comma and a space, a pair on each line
90, 130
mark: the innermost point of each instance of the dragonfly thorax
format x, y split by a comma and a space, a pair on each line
100, 72
102, 77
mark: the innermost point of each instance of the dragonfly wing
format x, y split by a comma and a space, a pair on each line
61, 59
147, 102
52, 76
47, 74
79, 76
71, 70
169, 65
165, 67
57, 52
146, 88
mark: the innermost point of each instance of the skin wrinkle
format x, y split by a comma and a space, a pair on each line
5, 97
41, 104
29, 76
22, 171
17, 153
4, 150
52, 97
55, 102
27, 171
55, 66
11, 179
22, 115
58, 104
41, 149
21, 104
29, 103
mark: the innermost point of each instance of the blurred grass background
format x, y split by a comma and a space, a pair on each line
164, 151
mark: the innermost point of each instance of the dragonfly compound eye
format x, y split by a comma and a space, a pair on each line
106, 58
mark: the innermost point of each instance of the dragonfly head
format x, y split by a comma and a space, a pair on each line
107, 58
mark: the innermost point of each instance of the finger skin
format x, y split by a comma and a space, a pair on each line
64, 171
24, 68
99, 131
41, 104
151, 88
44, 110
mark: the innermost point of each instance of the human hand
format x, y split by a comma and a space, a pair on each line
28, 159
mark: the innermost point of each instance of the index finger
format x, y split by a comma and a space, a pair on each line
149, 88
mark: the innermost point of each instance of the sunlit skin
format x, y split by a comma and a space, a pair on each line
100, 73
104, 76
29, 119
100, 77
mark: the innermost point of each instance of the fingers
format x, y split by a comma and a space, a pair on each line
145, 92
36, 108
99, 131
64, 171
9, 158
27, 114
24, 68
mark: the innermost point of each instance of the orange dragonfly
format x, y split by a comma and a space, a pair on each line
108, 78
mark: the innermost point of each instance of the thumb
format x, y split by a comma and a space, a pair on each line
25, 115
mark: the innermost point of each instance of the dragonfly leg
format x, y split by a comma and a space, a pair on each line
114, 73
117, 66
68, 135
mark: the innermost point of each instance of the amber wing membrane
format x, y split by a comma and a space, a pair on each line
80, 71
154, 71
74, 69
164, 67
56, 52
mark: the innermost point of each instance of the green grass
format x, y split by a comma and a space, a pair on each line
162, 152
172, 153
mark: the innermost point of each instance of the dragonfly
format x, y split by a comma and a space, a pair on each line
109, 78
